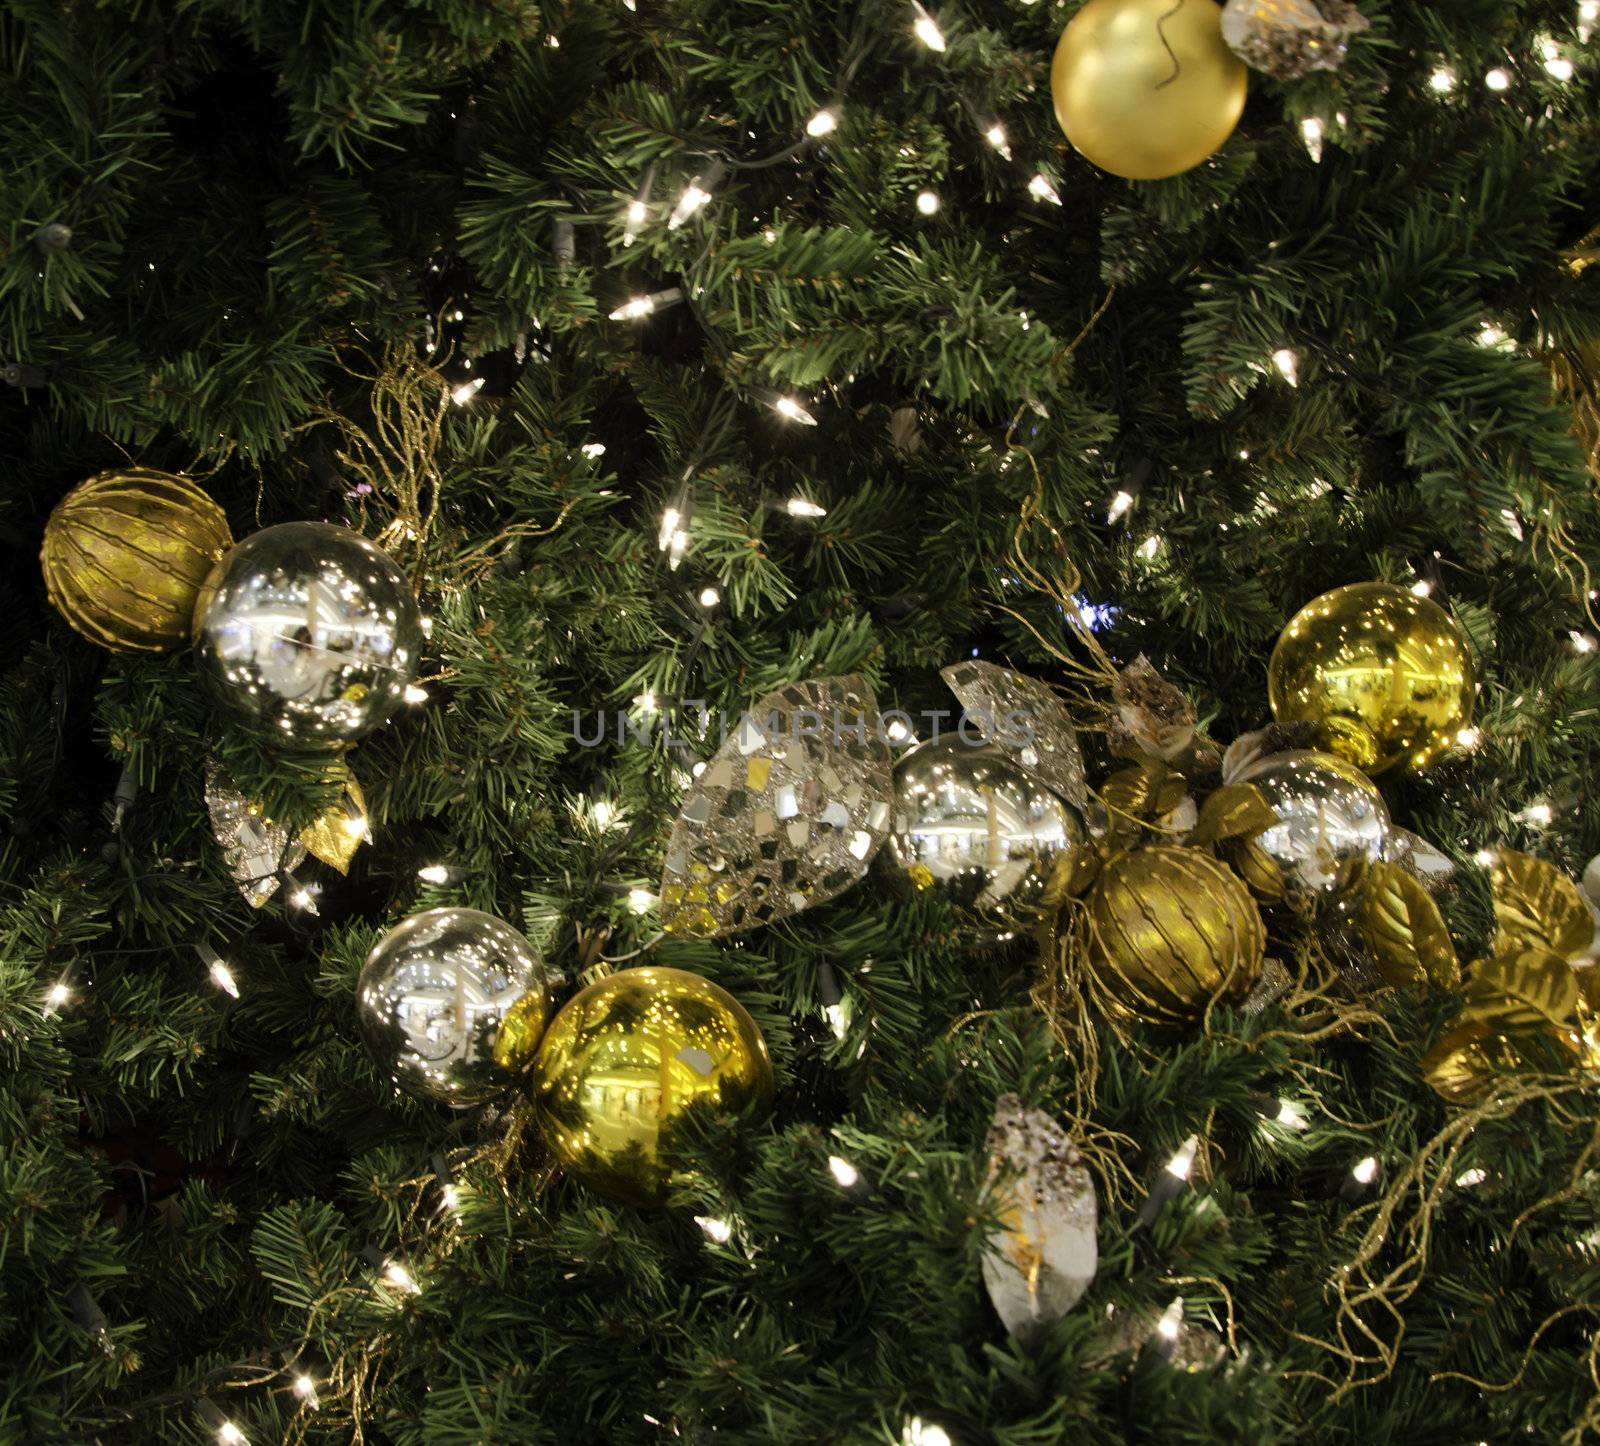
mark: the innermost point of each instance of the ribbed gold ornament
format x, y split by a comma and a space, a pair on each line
626, 1059
125, 553
1170, 929
1385, 675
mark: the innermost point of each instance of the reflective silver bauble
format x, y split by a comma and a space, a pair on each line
310, 628
452, 1003
1332, 822
974, 825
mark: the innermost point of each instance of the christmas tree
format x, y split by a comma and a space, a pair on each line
673, 357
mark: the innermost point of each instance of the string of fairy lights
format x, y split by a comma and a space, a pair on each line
396, 1279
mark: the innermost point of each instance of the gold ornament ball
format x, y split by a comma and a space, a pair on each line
1170, 930
1385, 675
626, 1059
1147, 88
125, 554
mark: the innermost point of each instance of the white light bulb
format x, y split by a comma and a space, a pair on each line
804, 507
638, 213
927, 202
1041, 189
1119, 505
306, 1389
604, 812
1365, 1170
996, 136
222, 977
1150, 546
58, 995
1558, 67
692, 199
1468, 1178
823, 123
788, 407
709, 597
1581, 642
1538, 813
1171, 1320
230, 1435
1288, 365
399, 1277
1498, 79
1491, 335
843, 1171
434, 874
1311, 133
467, 391
927, 30
714, 1229
1290, 1115
415, 693
641, 901
302, 898
634, 308
1484, 858
593, 449
918, 1432
1183, 1162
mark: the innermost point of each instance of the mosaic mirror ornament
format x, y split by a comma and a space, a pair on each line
254, 848
787, 814
1025, 718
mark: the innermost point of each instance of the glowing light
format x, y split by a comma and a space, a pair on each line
926, 29
1150, 546
1484, 858
1365, 1170
593, 449
641, 901
709, 597
467, 391
1290, 1115
838, 1017
415, 693
56, 996
1288, 365
927, 202
1581, 642
1171, 1319
1442, 81
637, 214
1182, 1163
1469, 738
896, 730
1537, 813
721, 1231
996, 136
823, 123
1468, 1178
355, 826
634, 308
222, 977
604, 812
230, 1435
694, 197
843, 1171
401, 1278
303, 898
1422, 588
306, 1389
1119, 506
791, 409
804, 507
434, 874
1491, 335
1498, 79
1041, 189
1558, 67
918, 1432
1311, 133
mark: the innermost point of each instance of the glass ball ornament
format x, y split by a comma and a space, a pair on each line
1385, 675
452, 1004
1332, 822
310, 629
972, 824
623, 1063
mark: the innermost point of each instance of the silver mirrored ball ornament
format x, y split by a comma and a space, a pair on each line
452, 1004
974, 825
311, 629
1332, 822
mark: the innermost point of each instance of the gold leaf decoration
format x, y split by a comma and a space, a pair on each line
1404, 930
1130, 793
1234, 811
1466, 1059
1522, 989
1538, 906
342, 829
1258, 869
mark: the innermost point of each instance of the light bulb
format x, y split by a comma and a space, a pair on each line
804, 507
640, 900
1041, 189
709, 597
918, 1432
57, 995
230, 1435
1119, 505
1150, 546
823, 123
1538, 813
1468, 1178
1498, 79
415, 693
604, 812
434, 874
1290, 1115
1558, 67
467, 391
788, 407
1442, 81
996, 136
1484, 858
1182, 1162
1421, 588
714, 1229
399, 1277
1365, 1170
634, 308
1469, 738
1171, 1319
843, 1171
1288, 365
927, 202
638, 212
593, 449
926, 29
1311, 133
693, 198
223, 978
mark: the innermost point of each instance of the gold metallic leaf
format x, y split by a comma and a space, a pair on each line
1404, 930
1465, 1060
1536, 905
335, 837
1234, 811
1131, 792
1260, 872
1522, 989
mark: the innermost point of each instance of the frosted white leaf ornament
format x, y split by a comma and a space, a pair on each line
1044, 1258
788, 813
1023, 717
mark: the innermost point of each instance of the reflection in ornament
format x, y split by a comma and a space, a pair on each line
310, 628
1332, 822
973, 825
623, 1063
1385, 675
452, 1002
787, 814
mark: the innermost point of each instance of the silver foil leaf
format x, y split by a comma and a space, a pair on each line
1287, 39
1023, 717
788, 813
1043, 1260
255, 849
1419, 858
1270, 987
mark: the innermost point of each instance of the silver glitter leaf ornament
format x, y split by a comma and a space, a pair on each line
1043, 1260
1023, 717
1287, 39
255, 849
787, 814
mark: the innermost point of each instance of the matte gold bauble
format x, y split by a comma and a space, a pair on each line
1147, 88
623, 1063
1171, 929
125, 554
1385, 675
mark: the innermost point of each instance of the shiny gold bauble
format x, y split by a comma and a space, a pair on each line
1147, 88
1171, 929
623, 1063
1385, 675
124, 556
